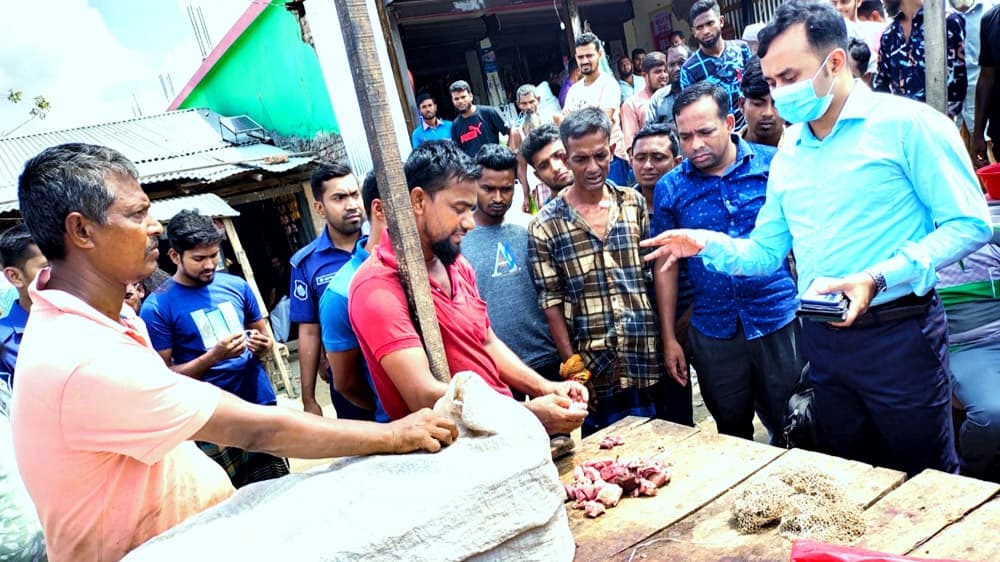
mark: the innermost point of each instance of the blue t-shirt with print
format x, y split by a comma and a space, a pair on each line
191, 320
725, 70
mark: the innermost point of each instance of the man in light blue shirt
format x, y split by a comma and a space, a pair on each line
874, 194
431, 126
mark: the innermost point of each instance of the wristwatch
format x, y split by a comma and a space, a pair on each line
879, 279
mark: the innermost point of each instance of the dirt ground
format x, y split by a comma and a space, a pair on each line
701, 416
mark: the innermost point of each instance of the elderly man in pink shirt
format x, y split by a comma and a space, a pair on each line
102, 428
654, 66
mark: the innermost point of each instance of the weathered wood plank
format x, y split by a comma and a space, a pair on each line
973, 538
642, 437
702, 466
922, 506
710, 534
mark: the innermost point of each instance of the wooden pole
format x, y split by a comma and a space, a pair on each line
572, 22
359, 41
244, 261
935, 55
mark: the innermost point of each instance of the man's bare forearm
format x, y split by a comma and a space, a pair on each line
560, 333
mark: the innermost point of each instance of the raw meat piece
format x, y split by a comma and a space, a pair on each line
610, 494
593, 508
610, 442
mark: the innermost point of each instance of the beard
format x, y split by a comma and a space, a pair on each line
710, 41
531, 122
446, 251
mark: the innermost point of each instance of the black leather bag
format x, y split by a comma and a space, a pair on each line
800, 421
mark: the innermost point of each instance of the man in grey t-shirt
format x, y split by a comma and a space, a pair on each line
499, 254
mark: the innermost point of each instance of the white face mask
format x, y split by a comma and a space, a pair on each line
962, 5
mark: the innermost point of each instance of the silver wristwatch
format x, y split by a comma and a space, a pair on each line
879, 279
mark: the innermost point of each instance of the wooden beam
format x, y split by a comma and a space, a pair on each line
571, 22
264, 194
936, 54
244, 261
359, 41
394, 45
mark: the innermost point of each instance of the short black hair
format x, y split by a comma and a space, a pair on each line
676, 33
433, 163
17, 246
860, 53
659, 130
702, 6
190, 229
538, 139
424, 97
496, 157
638, 51
753, 85
868, 7
653, 59
825, 27
64, 179
369, 193
703, 89
325, 172
460, 86
584, 122
587, 38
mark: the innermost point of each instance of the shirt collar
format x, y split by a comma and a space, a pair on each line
359, 249
16, 318
426, 126
42, 299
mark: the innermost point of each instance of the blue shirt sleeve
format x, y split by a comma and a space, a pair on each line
939, 168
157, 324
685, 76
303, 301
251, 311
413, 137
761, 253
338, 335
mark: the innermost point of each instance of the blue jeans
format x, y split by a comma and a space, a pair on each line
882, 392
977, 384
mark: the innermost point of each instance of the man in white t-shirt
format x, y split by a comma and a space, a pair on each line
599, 90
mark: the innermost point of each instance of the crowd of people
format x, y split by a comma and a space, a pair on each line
680, 211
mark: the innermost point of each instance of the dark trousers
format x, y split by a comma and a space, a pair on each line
663, 400
882, 391
346, 410
738, 376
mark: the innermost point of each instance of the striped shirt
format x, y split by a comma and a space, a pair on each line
601, 286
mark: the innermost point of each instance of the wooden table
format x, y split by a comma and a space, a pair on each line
934, 515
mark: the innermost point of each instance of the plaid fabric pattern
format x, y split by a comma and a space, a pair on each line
601, 286
245, 467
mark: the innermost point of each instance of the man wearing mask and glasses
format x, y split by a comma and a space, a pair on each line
873, 193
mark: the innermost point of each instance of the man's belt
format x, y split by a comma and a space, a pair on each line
908, 306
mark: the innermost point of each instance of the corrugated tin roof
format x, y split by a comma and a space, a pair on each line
206, 203
176, 145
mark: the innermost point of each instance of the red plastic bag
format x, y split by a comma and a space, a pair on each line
814, 551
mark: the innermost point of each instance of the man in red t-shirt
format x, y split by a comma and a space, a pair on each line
443, 190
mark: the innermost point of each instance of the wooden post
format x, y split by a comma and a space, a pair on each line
359, 41
936, 54
241, 257
394, 45
572, 23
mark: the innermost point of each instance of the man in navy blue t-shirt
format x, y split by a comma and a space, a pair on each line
209, 326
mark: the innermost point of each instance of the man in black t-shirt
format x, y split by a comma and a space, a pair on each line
988, 88
474, 126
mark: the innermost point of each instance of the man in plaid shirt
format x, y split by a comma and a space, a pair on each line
591, 280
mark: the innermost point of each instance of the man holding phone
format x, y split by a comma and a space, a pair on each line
876, 192
208, 326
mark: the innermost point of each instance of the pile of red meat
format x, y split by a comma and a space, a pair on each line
610, 442
601, 484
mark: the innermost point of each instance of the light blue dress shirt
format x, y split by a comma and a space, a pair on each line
890, 189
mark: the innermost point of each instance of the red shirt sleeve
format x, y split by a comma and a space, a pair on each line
381, 318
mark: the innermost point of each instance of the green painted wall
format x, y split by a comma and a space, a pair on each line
270, 74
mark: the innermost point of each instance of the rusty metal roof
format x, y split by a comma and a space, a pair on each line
177, 145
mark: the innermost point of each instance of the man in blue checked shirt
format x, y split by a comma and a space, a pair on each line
744, 336
876, 192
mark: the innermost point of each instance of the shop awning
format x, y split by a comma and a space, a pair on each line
206, 203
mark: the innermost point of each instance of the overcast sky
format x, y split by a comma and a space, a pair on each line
95, 60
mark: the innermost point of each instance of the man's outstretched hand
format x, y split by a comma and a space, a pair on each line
673, 245
422, 430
